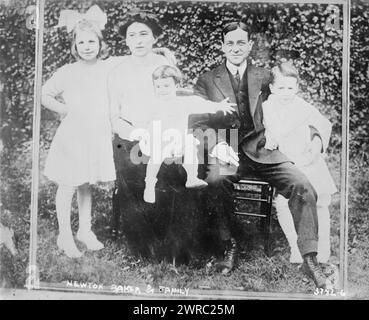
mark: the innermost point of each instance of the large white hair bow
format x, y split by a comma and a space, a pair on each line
70, 18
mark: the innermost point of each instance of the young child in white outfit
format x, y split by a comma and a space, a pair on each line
289, 121
170, 116
81, 152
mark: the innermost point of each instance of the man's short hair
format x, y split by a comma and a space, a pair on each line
234, 26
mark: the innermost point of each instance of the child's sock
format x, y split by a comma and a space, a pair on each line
295, 256
191, 164
286, 222
149, 192
85, 233
324, 246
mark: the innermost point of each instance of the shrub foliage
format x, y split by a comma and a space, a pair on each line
192, 32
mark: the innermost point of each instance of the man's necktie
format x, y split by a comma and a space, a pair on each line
237, 79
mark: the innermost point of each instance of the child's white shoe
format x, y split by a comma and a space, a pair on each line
149, 194
68, 246
196, 183
90, 240
295, 256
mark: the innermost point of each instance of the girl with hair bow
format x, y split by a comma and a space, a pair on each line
81, 152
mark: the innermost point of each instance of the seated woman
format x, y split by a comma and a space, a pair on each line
148, 228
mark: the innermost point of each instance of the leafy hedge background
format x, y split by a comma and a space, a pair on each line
192, 32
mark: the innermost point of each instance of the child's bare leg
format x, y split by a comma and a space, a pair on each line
63, 201
85, 233
191, 163
286, 222
324, 246
152, 171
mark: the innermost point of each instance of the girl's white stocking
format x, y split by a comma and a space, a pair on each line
85, 233
84, 208
63, 201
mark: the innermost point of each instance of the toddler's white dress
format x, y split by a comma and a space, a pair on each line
81, 151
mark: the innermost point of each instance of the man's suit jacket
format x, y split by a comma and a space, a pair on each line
216, 85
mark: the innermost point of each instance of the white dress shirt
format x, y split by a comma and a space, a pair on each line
233, 69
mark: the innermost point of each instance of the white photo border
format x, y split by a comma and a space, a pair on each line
33, 282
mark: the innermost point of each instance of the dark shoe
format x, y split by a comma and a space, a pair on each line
227, 265
312, 269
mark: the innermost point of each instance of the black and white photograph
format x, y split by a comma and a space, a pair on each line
184, 149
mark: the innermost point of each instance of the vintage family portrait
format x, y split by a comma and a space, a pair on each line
185, 148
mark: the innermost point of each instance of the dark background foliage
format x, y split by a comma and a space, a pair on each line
192, 32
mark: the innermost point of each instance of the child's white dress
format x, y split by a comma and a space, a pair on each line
81, 151
167, 136
289, 126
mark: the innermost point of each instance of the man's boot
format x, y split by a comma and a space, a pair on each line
230, 255
312, 269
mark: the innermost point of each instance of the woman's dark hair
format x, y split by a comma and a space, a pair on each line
141, 16
234, 26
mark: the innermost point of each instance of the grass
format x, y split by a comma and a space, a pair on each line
358, 267
115, 265
358, 252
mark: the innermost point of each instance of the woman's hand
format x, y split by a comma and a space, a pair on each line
167, 54
226, 106
63, 111
145, 146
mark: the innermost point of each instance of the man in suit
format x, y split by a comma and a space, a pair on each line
247, 86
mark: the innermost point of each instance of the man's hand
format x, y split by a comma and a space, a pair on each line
226, 107
225, 153
124, 130
271, 143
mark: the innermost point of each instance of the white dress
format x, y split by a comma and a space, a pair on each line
288, 126
81, 151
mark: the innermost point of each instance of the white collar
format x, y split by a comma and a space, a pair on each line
233, 69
